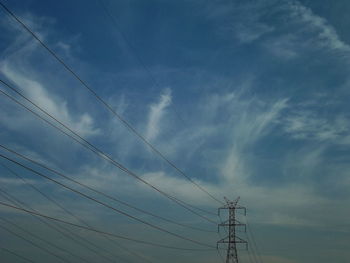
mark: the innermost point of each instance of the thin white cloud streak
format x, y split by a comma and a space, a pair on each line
156, 113
246, 127
245, 29
16, 67
184, 189
36, 92
326, 34
248, 34
252, 120
255, 120
248, 25
314, 32
15, 181
309, 125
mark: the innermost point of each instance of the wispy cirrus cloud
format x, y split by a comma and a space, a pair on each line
54, 105
257, 28
325, 34
309, 125
15, 67
268, 139
156, 112
322, 36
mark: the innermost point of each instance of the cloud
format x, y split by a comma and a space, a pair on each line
326, 35
283, 47
156, 113
244, 28
301, 32
14, 181
309, 125
15, 66
240, 121
251, 121
255, 119
239, 138
36, 92
248, 34
184, 189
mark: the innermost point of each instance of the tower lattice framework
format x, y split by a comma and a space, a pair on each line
232, 223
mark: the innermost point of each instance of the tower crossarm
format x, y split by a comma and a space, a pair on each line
235, 223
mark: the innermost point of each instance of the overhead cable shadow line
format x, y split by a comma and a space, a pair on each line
83, 142
60, 229
71, 214
17, 255
210, 248
106, 205
126, 123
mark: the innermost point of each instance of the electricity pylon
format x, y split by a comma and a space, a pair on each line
232, 223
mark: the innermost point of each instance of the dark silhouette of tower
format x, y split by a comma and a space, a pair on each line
232, 223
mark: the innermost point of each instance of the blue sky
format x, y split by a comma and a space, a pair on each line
249, 98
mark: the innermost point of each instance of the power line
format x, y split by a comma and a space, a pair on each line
126, 123
41, 239
211, 248
254, 242
77, 239
70, 213
220, 256
34, 244
252, 250
131, 47
17, 255
106, 205
94, 149
251, 259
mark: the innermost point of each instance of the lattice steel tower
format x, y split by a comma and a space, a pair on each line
232, 223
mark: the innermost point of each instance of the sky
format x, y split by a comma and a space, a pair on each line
247, 98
